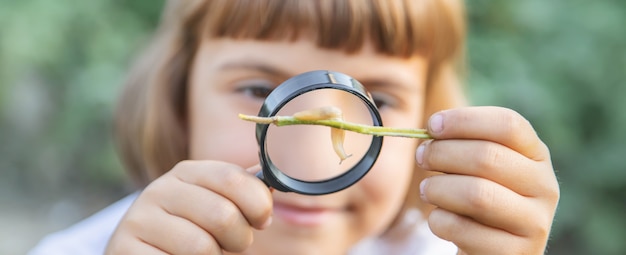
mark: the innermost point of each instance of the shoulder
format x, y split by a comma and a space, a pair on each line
411, 236
88, 236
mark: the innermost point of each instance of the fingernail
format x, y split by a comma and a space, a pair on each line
422, 187
267, 223
436, 123
419, 154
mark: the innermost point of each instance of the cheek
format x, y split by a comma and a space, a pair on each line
216, 133
386, 184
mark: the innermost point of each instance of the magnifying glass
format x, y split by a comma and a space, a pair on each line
302, 158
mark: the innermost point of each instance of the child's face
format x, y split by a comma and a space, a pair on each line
233, 76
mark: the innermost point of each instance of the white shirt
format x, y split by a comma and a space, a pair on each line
87, 237
90, 236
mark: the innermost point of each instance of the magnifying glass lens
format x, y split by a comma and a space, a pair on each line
314, 153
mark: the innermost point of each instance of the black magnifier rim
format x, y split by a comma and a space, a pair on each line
287, 91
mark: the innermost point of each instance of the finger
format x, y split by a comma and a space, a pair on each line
132, 245
488, 160
487, 202
474, 238
254, 169
215, 214
170, 233
141, 247
496, 124
246, 191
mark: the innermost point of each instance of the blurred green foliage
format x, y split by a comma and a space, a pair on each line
562, 64
62, 63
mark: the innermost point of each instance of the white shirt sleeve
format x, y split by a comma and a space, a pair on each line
411, 236
87, 237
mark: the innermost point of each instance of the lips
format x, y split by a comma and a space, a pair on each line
307, 216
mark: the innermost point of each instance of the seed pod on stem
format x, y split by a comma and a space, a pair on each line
337, 135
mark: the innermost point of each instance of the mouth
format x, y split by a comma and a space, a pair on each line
305, 216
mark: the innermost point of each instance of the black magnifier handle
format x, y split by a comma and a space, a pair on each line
274, 185
262, 178
271, 175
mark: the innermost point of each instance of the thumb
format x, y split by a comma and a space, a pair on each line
254, 169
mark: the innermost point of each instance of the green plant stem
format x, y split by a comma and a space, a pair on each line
354, 127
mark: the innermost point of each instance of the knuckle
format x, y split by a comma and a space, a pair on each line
549, 191
512, 121
153, 191
183, 170
481, 196
542, 232
490, 157
544, 148
261, 207
184, 164
241, 244
447, 225
229, 232
120, 243
264, 212
203, 244
233, 179
132, 223
159, 189
540, 228
232, 233
228, 216
439, 225
553, 194
517, 128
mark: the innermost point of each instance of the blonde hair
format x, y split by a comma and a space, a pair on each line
151, 118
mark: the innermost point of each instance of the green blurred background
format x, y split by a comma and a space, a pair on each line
560, 63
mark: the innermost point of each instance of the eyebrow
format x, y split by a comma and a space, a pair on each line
394, 84
369, 83
256, 66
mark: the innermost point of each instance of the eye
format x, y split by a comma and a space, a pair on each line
256, 92
256, 89
383, 100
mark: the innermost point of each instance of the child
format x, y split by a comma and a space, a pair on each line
492, 189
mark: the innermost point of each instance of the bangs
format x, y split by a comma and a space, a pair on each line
401, 28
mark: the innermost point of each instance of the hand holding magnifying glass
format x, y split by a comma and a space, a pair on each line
301, 106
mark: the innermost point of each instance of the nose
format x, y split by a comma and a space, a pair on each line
306, 152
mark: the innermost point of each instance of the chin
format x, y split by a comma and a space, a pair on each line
282, 239
291, 248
